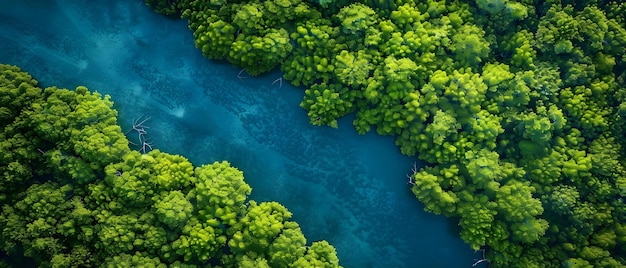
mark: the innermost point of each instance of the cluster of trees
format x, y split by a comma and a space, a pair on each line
516, 107
73, 194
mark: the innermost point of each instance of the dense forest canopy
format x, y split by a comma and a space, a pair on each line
74, 194
515, 106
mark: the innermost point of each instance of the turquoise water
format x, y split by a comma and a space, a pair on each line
348, 189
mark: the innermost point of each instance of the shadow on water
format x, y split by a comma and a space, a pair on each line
346, 188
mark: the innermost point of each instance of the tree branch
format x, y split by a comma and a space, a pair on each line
139, 127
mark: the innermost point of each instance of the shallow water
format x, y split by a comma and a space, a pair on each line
343, 187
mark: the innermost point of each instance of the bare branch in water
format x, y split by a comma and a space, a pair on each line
241, 76
280, 80
139, 127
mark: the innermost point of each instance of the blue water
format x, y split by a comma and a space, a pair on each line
348, 189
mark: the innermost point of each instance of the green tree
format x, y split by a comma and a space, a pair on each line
469, 46
173, 210
477, 217
427, 188
327, 103
135, 260
259, 54
261, 225
288, 247
319, 254
248, 17
220, 192
18, 93
311, 60
46, 225
214, 38
356, 18
353, 68
199, 240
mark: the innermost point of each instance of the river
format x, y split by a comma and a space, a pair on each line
343, 187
